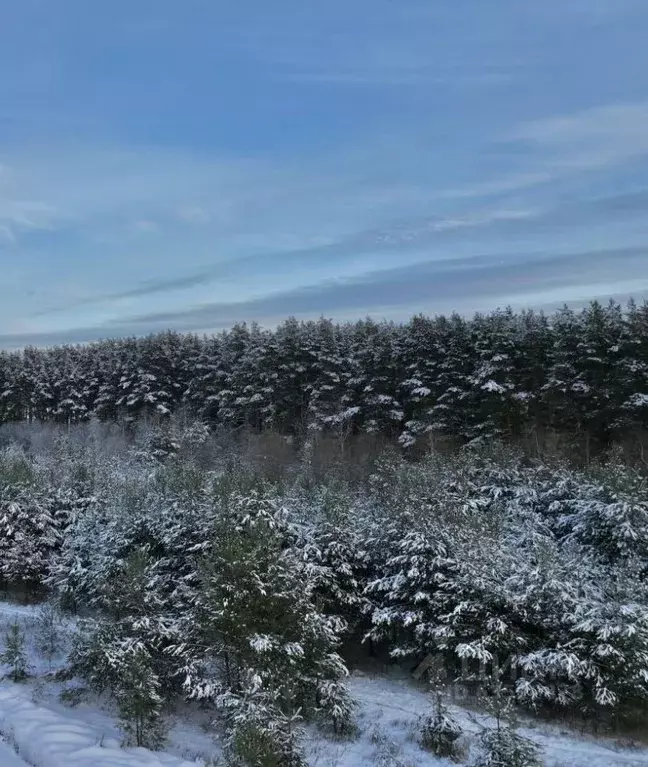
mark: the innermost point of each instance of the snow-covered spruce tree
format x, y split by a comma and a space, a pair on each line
439, 731
612, 518
14, 654
121, 649
262, 634
139, 695
29, 536
440, 572
502, 746
333, 547
48, 633
609, 635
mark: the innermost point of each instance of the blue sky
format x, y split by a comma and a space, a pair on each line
194, 163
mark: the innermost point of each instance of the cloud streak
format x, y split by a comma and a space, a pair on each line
446, 284
150, 288
415, 235
564, 146
530, 278
418, 237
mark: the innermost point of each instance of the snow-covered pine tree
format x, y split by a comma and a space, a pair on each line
330, 406
29, 536
609, 634
228, 388
375, 380
107, 379
422, 353
502, 745
440, 570
339, 565
565, 394
11, 405
533, 342
293, 376
439, 731
259, 731
450, 413
259, 623
495, 411
202, 372
14, 654
254, 379
631, 381
139, 695
48, 633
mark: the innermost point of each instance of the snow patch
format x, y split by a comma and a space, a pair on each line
45, 738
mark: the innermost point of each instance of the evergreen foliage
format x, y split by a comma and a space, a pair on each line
576, 377
48, 633
506, 748
502, 745
440, 732
203, 575
14, 654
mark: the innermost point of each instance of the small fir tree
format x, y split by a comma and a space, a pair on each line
14, 654
502, 746
48, 633
440, 732
139, 699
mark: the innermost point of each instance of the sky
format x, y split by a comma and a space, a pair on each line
189, 164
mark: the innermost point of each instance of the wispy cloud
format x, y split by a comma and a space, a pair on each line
496, 279
568, 145
419, 234
18, 216
193, 214
147, 226
593, 137
412, 241
148, 288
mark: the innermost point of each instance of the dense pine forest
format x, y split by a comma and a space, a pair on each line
234, 523
578, 379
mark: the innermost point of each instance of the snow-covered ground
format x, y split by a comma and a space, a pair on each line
37, 729
8, 757
389, 709
47, 738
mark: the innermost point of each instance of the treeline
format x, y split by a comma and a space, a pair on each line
579, 378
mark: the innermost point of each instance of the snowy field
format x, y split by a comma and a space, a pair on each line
8, 756
37, 729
